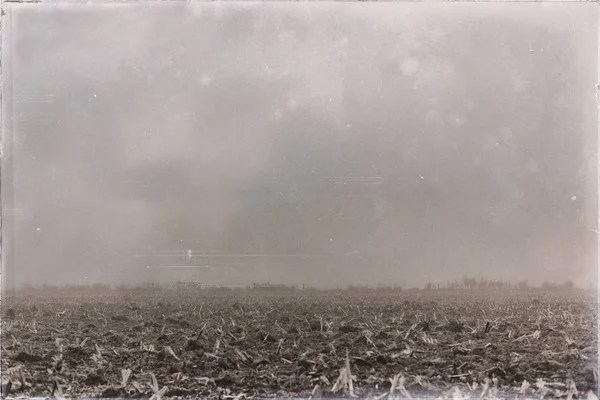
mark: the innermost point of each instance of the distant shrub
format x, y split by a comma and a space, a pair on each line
100, 287
272, 287
568, 285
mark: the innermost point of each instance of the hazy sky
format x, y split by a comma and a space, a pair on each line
231, 127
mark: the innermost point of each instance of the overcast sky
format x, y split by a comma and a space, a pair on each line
232, 127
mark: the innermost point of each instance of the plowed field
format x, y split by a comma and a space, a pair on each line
236, 344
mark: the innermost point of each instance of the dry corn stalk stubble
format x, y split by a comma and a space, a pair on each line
357, 344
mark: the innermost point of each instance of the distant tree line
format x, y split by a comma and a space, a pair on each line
468, 283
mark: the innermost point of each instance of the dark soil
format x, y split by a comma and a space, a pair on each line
291, 345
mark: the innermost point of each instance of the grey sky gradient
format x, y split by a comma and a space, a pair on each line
216, 126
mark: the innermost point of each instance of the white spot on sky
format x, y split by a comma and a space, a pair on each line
258, 24
38, 229
421, 176
433, 116
95, 95
348, 126
219, 9
573, 198
292, 104
410, 66
519, 84
459, 120
205, 80
284, 36
277, 115
436, 35
196, 8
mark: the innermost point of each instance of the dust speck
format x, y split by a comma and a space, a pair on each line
410, 67
277, 115
292, 104
205, 80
